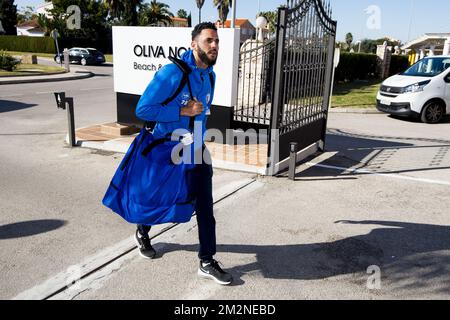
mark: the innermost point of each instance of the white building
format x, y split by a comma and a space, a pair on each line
30, 28
429, 44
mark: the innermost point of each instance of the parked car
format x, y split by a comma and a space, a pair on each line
82, 56
422, 91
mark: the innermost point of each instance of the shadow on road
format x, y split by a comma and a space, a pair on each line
8, 105
372, 153
417, 120
409, 255
29, 228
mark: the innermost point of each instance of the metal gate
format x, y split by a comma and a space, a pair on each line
285, 84
255, 82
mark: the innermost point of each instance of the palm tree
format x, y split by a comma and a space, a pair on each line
126, 10
155, 12
223, 7
199, 6
349, 40
116, 7
182, 14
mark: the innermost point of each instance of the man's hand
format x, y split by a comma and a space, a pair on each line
193, 108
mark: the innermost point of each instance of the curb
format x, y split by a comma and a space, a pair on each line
34, 75
86, 74
355, 110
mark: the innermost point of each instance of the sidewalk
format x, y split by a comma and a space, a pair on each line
284, 239
250, 158
327, 235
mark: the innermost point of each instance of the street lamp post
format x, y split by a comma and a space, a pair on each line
233, 15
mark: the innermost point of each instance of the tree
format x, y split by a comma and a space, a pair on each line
189, 20
26, 14
93, 22
182, 14
223, 7
199, 6
349, 40
271, 17
155, 12
8, 17
116, 8
124, 12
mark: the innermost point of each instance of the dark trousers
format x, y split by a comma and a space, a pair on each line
204, 211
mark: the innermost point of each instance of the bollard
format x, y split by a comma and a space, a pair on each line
61, 101
66, 59
292, 160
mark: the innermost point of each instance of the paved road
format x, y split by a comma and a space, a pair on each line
51, 217
381, 232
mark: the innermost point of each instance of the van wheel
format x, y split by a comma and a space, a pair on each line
432, 112
83, 61
58, 60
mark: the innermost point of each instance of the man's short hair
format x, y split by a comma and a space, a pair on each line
202, 26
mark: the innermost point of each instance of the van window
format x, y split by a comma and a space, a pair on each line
428, 67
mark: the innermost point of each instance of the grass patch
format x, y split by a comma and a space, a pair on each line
108, 57
30, 69
43, 55
355, 94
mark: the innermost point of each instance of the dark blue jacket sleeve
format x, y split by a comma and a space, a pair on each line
163, 86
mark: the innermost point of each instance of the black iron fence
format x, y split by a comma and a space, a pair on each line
285, 83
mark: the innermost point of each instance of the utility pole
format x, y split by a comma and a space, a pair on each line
233, 15
410, 19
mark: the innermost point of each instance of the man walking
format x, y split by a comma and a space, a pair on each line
176, 115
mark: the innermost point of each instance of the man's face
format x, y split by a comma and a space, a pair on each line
206, 44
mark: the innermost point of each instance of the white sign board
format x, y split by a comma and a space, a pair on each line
140, 51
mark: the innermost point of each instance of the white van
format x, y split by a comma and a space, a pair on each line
421, 91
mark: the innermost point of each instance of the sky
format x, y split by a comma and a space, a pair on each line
399, 19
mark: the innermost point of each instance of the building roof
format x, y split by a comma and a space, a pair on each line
429, 39
30, 25
179, 19
239, 22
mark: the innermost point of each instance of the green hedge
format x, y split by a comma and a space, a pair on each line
398, 64
27, 44
354, 66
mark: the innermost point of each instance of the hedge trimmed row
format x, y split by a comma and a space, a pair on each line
27, 44
353, 66
363, 66
398, 64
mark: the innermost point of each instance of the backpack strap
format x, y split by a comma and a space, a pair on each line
184, 67
211, 79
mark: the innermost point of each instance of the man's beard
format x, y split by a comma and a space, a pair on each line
204, 58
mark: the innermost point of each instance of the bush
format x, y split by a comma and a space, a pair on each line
398, 64
7, 62
356, 66
27, 44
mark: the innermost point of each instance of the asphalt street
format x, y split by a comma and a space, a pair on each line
378, 196
51, 216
